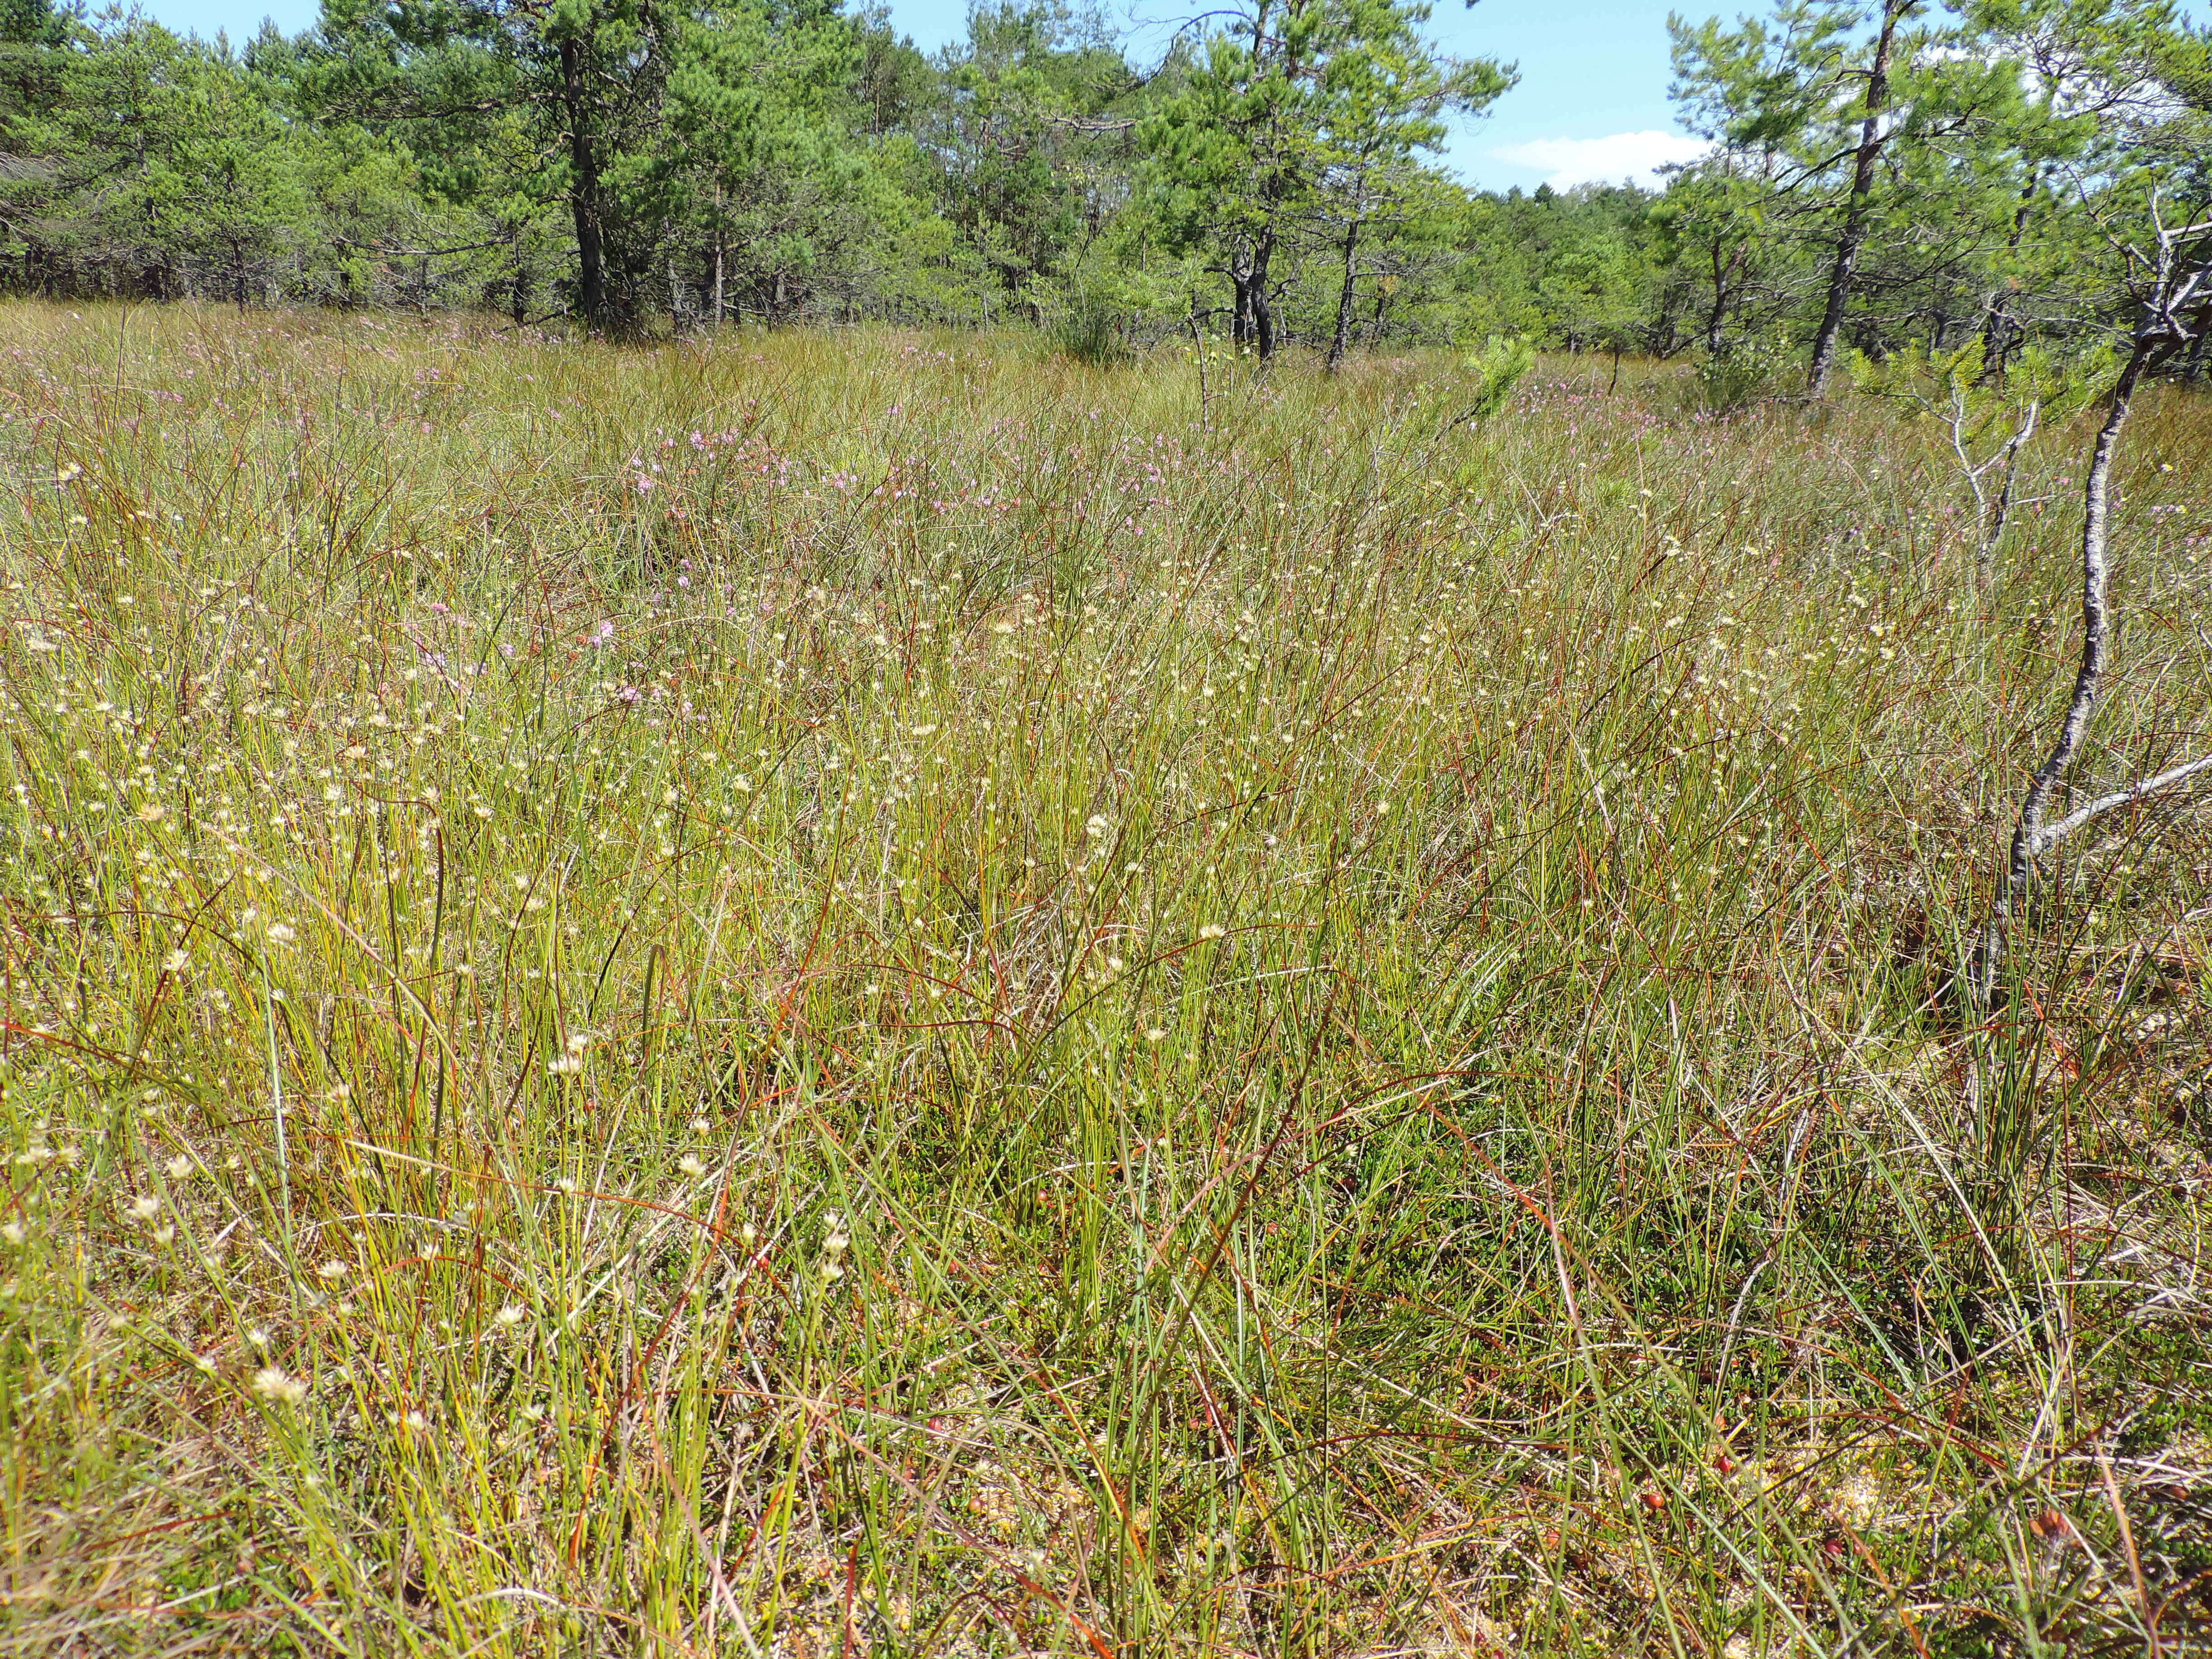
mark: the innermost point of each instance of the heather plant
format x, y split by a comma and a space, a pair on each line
800, 993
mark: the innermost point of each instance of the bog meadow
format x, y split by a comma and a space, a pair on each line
810, 852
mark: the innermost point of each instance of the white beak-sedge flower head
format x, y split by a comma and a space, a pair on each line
273, 1383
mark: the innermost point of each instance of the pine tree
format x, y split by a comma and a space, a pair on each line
1384, 94
1294, 98
1832, 106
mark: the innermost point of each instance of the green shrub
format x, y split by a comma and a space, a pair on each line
1091, 332
1747, 370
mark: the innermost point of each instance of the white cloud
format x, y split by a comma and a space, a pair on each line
1566, 162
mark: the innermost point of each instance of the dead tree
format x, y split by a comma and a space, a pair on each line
2178, 272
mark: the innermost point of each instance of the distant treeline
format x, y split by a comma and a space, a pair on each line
1884, 173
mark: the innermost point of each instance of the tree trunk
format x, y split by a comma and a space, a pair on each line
2096, 495
1240, 300
720, 246
2183, 272
1871, 140
2089, 679
1999, 331
1251, 319
1263, 312
1343, 336
583, 189
1717, 320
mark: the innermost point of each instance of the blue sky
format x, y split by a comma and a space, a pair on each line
1592, 101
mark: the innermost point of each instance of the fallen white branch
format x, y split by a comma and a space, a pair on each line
2049, 835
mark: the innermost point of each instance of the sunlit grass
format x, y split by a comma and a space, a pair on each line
823, 992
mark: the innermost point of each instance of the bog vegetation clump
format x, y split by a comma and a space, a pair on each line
811, 994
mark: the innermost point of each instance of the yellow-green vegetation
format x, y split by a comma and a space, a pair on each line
813, 993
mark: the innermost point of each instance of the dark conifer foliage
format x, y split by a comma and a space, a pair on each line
1884, 175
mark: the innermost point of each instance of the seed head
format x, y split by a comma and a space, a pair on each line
271, 1383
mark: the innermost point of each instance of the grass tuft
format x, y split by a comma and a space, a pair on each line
813, 993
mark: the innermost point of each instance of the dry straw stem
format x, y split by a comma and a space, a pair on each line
926, 1005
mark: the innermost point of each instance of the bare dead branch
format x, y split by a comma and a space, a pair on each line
2050, 834
2096, 627
2180, 263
